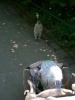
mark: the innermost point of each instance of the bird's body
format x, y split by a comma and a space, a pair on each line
38, 29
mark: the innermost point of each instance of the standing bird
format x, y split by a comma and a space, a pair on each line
38, 28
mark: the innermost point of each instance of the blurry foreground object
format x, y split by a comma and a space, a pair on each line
32, 92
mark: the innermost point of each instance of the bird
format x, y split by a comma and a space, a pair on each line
38, 28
